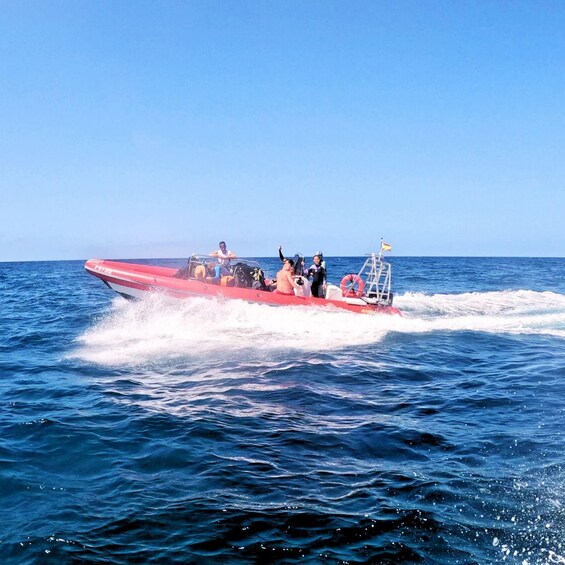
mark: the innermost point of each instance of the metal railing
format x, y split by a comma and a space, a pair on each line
377, 275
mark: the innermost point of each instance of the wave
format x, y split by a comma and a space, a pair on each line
160, 327
511, 312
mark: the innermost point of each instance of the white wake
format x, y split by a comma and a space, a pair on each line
159, 327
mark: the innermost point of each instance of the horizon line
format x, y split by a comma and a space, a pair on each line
276, 257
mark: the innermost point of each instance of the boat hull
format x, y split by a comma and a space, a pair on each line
133, 280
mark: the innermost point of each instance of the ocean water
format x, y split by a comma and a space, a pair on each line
204, 431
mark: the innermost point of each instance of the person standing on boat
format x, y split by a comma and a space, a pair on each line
285, 279
318, 273
223, 255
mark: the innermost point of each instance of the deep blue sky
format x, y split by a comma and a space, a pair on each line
155, 129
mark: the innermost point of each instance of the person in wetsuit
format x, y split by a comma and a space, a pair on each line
318, 274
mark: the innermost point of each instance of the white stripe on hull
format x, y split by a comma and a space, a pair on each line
133, 292
138, 293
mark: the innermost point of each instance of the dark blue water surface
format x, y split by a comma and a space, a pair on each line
203, 431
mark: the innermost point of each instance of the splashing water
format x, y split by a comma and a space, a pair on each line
157, 326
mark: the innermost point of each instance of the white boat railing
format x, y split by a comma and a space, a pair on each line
377, 275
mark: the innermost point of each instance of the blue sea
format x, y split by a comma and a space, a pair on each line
203, 431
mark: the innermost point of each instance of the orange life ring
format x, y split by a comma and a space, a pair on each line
347, 285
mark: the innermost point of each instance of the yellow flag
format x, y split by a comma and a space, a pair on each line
386, 246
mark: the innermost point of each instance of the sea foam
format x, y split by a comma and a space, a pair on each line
161, 327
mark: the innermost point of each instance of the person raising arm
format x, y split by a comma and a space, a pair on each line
285, 280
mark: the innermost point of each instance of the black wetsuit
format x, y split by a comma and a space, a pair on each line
318, 274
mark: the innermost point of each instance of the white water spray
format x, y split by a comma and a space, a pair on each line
161, 327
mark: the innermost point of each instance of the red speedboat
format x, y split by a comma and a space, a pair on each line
367, 292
